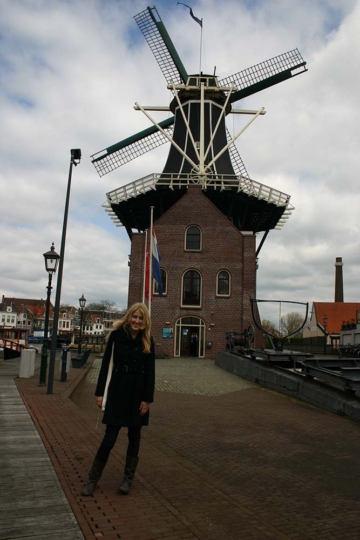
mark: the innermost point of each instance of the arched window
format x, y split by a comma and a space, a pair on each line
223, 283
191, 289
163, 281
193, 238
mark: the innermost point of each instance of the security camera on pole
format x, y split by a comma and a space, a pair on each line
74, 160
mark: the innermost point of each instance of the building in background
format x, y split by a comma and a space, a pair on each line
328, 318
350, 332
27, 313
326, 321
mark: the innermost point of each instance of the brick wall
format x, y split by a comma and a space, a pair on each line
224, 247
136, 268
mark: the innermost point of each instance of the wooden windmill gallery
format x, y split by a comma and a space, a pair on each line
207, 211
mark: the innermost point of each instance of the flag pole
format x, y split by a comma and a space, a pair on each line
144, 278
201, 37
150, 256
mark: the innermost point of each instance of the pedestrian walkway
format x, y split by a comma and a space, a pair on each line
32, 501
222, 459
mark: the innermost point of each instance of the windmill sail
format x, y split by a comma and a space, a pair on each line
266, 74
237, 162
162, 47
124, 151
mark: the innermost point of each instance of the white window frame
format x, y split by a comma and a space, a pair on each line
191, 306
217, 284
201, 235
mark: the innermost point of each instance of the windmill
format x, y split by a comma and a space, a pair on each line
202, 149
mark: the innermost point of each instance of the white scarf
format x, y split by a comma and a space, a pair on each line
108, 378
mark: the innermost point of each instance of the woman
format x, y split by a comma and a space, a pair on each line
125, 391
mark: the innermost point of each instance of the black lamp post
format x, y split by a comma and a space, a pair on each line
51, 263
325, 320
74, 160
82, 302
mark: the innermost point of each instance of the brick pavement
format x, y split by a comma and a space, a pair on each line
221, 459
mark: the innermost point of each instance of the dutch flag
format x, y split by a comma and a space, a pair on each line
156, 258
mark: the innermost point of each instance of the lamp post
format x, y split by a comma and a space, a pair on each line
74, 160
51, 263
82, 302
325, 320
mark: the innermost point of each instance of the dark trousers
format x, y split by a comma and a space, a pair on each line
110, 437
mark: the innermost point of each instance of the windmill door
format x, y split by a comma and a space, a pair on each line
190, 337
189, 341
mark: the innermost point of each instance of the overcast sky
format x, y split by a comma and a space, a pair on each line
71, 71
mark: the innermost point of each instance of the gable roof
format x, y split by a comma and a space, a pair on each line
22, 304
35, 307
336, 313
18, 302
95, 317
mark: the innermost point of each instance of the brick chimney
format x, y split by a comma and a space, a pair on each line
339, 289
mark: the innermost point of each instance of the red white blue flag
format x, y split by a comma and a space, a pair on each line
156, 258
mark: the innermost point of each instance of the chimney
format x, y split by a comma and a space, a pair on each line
339, 289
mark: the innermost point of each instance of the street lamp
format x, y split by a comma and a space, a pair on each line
82, 302
74, 160
325, 320
51, 263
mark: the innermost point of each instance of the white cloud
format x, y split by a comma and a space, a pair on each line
72, 72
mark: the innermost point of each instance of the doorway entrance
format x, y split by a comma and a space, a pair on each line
190, 337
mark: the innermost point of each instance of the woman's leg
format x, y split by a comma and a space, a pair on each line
134, 437
132, 460
108, 442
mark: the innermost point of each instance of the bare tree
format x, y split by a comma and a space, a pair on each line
103, 305
270, 327
291, 322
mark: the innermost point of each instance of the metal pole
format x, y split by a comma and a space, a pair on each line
80, 336
63, 375
44, 348
145, 263
150, 257
325, 338
59, 281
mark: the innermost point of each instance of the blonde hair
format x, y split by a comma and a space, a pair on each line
146, 325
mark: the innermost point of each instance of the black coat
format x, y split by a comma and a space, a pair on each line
132, 380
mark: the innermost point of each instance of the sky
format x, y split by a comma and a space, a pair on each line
71, 71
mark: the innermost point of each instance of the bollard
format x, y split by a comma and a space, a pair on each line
68, 362
63, 376
27, 363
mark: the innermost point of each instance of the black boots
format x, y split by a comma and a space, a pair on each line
96, 472
129, 472
94, 476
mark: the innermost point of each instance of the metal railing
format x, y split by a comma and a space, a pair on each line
211, 181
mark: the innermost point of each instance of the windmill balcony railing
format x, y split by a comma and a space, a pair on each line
213, 181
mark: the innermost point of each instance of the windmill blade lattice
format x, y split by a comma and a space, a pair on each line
237, 162
162, 47
131, 148
266, 74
